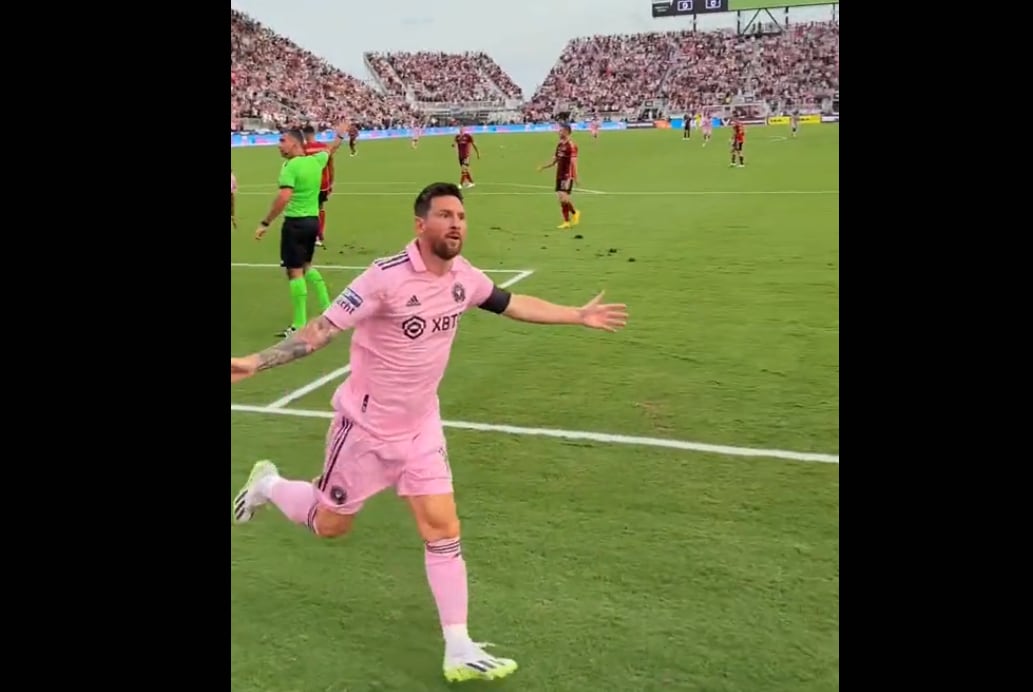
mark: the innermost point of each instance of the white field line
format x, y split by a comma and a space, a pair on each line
254, 265
546, 187
272, 187
310, 387
341, 372
605, 438
626, 193
521, 275
249, 188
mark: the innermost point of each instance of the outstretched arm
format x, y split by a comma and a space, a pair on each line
309, 339
594, 314
358, 302
538, 311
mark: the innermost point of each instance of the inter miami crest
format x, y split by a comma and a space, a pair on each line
458, 292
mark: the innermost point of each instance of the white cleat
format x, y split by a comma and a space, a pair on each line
475, 664
249, 499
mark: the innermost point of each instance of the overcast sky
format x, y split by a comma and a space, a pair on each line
525, 39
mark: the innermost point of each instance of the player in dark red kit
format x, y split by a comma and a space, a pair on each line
353, 136
738, 140
563, 160
462, 144
327, 184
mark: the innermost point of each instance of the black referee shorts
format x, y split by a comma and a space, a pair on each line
298, 241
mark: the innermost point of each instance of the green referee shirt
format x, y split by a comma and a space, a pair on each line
304, 175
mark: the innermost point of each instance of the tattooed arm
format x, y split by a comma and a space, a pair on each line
360, 301
309, 339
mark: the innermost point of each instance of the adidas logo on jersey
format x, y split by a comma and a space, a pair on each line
414, 302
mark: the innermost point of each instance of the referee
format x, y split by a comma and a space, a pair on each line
298, 201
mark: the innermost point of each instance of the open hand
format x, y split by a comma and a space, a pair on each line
606, 316
241, 368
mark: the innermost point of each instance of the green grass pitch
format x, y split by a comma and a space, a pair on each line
599, 560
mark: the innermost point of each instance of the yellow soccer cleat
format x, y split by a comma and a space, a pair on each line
563, 226
475, 664
577, 218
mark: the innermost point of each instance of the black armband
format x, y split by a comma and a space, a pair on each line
263, 223
498, 301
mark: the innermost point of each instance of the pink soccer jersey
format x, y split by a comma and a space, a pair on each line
405, 320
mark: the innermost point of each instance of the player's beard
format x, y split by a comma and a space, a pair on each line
446, 249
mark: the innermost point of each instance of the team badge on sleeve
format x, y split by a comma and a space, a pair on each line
349, 300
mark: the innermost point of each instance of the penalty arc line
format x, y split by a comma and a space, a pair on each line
341, 372
605, 438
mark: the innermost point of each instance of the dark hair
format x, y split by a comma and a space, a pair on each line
422, 205
295, 134
308, 130
565, 127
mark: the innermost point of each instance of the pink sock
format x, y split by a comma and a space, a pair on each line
446, 572
296, 499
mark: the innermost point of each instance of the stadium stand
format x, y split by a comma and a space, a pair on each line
614, 75
276, 81
443, 77
798, 67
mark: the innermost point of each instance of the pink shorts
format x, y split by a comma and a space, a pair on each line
358, 465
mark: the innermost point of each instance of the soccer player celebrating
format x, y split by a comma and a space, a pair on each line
405, 311
563, 160
462, 144
326, 185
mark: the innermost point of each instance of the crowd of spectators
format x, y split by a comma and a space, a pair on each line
799, 67
436, 77
617, 74
607, 74
273, 79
